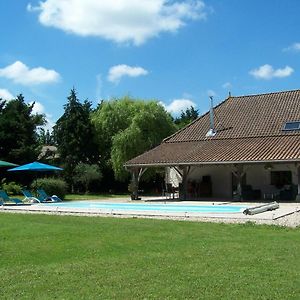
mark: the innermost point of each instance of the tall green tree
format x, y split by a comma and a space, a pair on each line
45, 137
186, 117
110, 118
75, 136
18, 131
128, 127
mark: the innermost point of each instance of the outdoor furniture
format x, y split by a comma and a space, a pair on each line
6, 164
288, 193
35, 167
270, 192
169, 193
44, 197
248, 193
6, 198
205, 187
29, 197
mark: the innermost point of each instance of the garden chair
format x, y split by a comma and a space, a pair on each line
29, 197
44, 197
6, 198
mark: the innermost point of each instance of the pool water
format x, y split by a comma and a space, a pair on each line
149, 207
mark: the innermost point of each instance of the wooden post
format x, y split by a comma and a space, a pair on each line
134, 184
185, 173
135, 180
239, 173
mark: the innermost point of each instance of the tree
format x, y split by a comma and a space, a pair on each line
75, 136
18, 131
45, 137
85, 174
128, 127
186, 117
110, 118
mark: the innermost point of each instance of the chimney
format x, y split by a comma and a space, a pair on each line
211, 132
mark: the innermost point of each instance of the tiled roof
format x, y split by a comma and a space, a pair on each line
249, 129
246, 116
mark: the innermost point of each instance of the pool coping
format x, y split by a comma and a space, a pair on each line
288, 214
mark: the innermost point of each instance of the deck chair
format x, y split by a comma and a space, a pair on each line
5, 198
44, 197
29, 197
169, 191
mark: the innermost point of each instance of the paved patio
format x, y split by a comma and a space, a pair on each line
288, 214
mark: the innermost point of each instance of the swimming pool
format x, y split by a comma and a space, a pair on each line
184, 208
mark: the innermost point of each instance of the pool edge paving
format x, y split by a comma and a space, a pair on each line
287, 215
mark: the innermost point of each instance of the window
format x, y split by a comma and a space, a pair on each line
294, 125
281, 178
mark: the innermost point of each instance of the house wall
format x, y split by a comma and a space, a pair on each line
259, 177
221, 177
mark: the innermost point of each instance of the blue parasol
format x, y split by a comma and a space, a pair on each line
36, 166
6, 164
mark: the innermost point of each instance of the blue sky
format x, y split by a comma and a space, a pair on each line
178, 52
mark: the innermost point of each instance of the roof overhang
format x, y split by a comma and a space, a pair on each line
254, 150
246, 162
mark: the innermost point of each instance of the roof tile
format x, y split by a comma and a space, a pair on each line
249, 129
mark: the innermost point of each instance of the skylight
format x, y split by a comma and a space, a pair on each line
294, 125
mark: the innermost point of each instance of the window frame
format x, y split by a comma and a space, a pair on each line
290, 123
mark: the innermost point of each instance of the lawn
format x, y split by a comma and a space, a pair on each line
71, 197
66, 257
94, 196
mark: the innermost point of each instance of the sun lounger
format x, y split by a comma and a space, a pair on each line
5, 198
29, 197
44, 197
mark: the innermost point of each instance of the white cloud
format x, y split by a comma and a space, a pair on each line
227, 85
211, 93
20, 73
39, 108
178, 105
6, 95
115, 73
268, 72
294, 48
121, 21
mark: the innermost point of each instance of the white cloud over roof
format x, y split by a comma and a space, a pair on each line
227, 85
22, 74
178, 105
294, 48
115, 73
268, 72
211, 93
133, 21
6, 94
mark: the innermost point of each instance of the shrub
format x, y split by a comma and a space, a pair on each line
85, 174
52, 186
11, 188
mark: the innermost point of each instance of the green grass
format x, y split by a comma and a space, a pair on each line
94, 196
70, 197
66, 257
